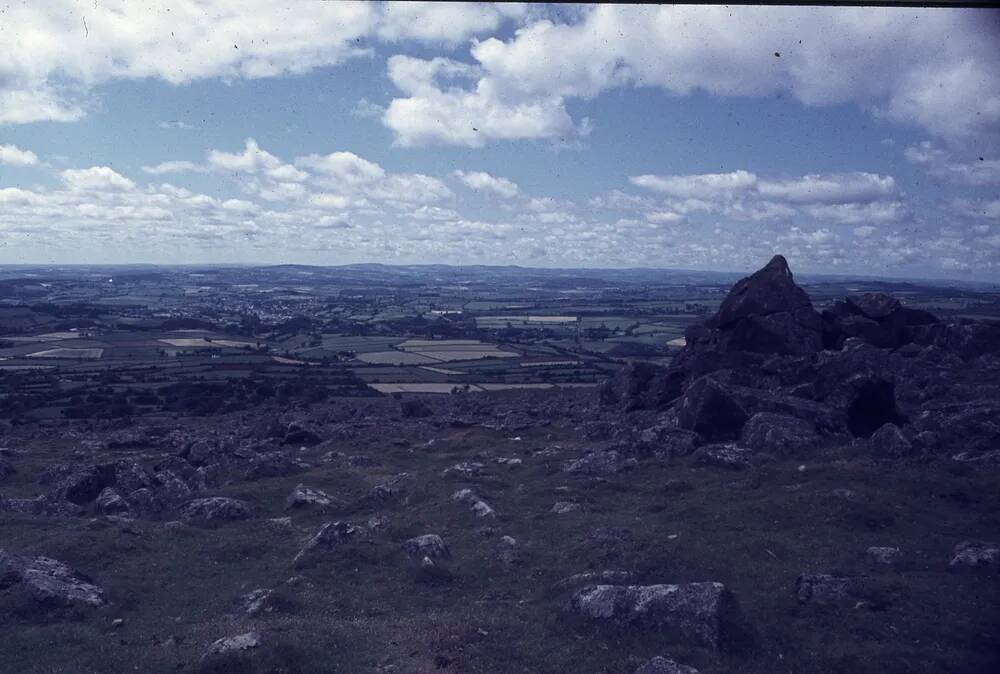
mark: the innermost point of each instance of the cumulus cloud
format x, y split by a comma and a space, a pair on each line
924, 67
343, 168
443, 22
96, 178
12, 155
830, 189
484, 182
701, 186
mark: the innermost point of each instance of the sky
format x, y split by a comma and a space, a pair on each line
851, 140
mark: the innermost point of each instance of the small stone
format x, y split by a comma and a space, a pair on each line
117, 622
234, 644
428, 545
659, 665
883, 555
563, 507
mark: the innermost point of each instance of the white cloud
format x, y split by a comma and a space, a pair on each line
343, 168
831, 188
96, 178
699, 186
484, 182
174, 124
12, 155
175, 167
444, 22
924, 67
875, 213
365, 109
439, 113
977, 170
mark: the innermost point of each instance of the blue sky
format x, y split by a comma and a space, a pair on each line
851, 140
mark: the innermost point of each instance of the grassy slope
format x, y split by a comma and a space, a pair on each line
369, 607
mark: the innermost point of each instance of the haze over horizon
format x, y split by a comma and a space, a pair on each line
852, 140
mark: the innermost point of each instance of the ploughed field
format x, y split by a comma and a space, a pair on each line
561, 498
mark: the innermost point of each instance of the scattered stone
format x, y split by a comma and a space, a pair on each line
504, 461
303, 496
563, 507
256, 601
467, 469
696, 611
428, 545
883, 555
975, 554
118, 622
234, 644
49, 582
330, 536
216, 509
479, 506
660, 665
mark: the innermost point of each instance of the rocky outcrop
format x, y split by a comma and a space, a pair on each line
216, 509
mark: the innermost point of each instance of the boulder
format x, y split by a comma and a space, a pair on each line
875, 306
778, 433
889, 441
48, 581
110, 502
698, 611
428, 545
83, 484
770, 290
302, 435
710, 410
303, 496
216, 509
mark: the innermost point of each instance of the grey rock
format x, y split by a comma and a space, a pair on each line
234, 644
110, 502
49, 582
602, 462
595, 577
875, 306
256, 601
303, 496
428, 545
696, 611
889, 441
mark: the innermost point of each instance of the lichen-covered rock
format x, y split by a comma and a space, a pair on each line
428, 545
660, 665
975, 554
49, 582
698, 611
216, 509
